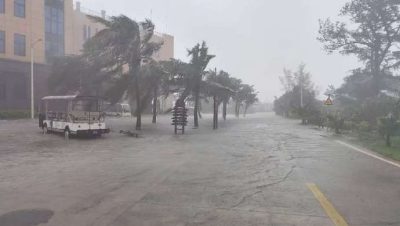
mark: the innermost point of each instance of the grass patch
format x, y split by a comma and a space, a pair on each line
377, 144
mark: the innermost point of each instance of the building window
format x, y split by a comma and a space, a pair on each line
87, 33
2, 42
54, 20
54, 29
19, 45
19, 8
2, 6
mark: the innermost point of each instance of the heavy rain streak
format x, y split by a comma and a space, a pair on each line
189, 112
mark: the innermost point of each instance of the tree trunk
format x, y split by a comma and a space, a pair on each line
376, 76
224, 106
215, 116
138, 104
237, 110
199, 110
388, 142
155, 100
337, 130
196, 108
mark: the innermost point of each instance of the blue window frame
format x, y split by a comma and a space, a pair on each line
54, 29
2, 41
19, 45
2, 6
19, 8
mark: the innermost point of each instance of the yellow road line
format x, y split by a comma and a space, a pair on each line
337, 219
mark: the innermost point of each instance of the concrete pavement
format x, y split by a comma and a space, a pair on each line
251, 171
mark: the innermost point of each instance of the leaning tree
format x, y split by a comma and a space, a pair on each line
217, 87
223, 78
199, 61
129, 44
156, 82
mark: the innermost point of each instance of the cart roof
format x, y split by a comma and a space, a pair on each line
68, 97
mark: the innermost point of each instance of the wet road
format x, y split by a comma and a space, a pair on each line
253, 171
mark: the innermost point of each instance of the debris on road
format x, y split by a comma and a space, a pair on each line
129, 133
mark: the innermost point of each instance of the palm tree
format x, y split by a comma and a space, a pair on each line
251, 99
72, 74
199, 61
248, 96
180, 78
225, 80
126, 42
216, 87
237, 86
245, 97
155, 84
69, 74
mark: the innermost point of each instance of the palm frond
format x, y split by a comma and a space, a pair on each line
100, 20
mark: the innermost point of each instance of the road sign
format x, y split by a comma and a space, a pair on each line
328, 101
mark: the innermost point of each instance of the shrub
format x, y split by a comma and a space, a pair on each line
348, 125
364, 126
336, 122
388, 127
14, 114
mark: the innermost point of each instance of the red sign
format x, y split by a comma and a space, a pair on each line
328, 101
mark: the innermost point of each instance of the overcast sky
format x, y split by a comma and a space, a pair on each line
252, 39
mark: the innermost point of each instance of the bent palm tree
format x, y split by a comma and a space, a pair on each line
237, 86
125, 42
155, 82
216, 87
199, 62
247, 97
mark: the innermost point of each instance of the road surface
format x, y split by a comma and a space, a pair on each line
261, 170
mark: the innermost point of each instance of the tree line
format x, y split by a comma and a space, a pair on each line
117, 64
369, 99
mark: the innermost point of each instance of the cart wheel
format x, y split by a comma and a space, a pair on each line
45, 129
66, 134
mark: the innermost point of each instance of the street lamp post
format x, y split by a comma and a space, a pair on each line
301, 96
302, 102
32, 78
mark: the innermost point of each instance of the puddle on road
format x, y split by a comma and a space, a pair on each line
32, 217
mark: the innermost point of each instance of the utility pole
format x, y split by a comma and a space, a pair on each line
301, 94
32, 78
301, 102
